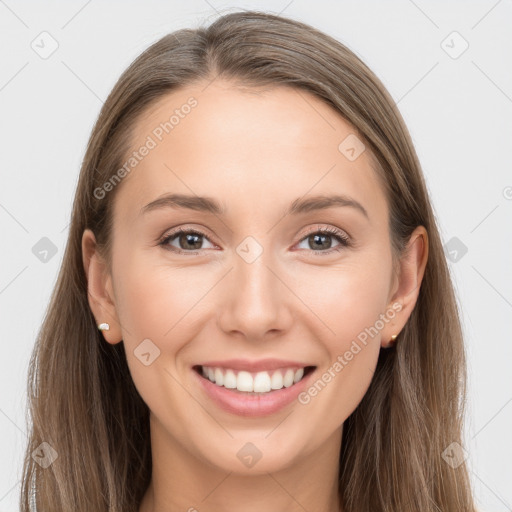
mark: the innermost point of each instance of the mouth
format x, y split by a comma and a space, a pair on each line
254, 383
251, 389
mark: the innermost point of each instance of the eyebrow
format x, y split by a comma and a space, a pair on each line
210, 205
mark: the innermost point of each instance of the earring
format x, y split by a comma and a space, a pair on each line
393, 338
104, 326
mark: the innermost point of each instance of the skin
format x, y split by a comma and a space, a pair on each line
255, 151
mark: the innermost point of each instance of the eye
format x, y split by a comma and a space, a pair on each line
188, 240
320, 240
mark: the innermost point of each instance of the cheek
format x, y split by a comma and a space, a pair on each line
347, 298
155, 300
162, 304
157, 303
340, 387
350, 308
349, 302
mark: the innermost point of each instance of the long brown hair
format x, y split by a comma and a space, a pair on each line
82, 400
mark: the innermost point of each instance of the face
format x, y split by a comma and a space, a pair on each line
262, 277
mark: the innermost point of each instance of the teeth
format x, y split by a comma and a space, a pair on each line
244, 381
230, 379
288, 378
219, 377
298, 375
277, 381
260, 382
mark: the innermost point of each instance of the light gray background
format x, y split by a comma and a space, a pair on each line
458, 111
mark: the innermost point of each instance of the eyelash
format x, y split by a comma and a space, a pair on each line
335, 233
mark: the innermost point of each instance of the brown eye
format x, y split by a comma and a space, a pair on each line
322, 240
187, 241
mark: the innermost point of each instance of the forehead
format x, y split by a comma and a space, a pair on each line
245, 146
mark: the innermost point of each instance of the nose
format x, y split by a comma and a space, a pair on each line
256, 302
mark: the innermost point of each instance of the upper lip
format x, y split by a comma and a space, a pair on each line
254, 366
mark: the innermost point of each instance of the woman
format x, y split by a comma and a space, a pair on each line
254, 309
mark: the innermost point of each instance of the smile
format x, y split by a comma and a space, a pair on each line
250, 390
254, 382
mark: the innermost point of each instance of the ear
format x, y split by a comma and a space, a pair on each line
407, 284
99, 288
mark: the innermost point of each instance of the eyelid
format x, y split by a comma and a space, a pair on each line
329, 229
201, 230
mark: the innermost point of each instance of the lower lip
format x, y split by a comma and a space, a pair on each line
249, 404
